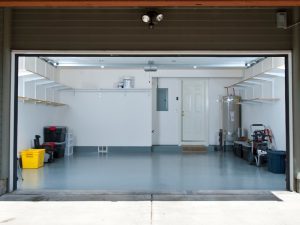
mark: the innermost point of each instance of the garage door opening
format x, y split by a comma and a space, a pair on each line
152, 123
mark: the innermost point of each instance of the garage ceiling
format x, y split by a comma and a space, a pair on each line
160, 62
145, 3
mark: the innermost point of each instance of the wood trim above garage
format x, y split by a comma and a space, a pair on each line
146, 3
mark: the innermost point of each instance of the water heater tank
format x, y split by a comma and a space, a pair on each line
231, 117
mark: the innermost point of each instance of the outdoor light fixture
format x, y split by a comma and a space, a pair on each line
152, 18
146, 18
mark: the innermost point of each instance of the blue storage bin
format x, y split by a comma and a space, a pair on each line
276, 161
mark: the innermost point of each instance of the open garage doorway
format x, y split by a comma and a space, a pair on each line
151, 123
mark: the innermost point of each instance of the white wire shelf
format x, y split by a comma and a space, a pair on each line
39, 101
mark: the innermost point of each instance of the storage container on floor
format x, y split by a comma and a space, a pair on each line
58, 147
276, 161
246, 153
237, 149
33, 158
55, 134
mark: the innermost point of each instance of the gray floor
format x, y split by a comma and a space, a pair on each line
157, 172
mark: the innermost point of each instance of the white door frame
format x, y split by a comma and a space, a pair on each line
288, 53
181, 118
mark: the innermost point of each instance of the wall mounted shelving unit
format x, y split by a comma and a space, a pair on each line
38, 82
258, 83
38, 101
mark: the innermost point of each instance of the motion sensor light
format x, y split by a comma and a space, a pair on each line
152, 18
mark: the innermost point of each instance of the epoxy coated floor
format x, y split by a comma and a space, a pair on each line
156, 172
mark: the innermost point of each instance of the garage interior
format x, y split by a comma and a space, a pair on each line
153, 123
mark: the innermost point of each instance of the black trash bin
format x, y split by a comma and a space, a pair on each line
276, 161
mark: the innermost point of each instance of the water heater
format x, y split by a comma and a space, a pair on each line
231, 118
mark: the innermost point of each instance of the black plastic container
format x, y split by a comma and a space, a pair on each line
237, 149
276, 161
246, 153
55, 134
57, 147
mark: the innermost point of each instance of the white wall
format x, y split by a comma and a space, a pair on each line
271, 114
125, 119
31, 120
166, 127
109, 118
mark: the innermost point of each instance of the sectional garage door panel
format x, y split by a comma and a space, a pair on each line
122, 29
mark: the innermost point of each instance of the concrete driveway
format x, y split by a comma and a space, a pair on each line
156, 212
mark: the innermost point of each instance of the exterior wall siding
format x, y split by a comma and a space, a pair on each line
122, 29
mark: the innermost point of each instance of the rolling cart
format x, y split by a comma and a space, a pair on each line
261, 143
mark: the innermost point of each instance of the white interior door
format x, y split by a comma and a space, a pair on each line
194, 111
